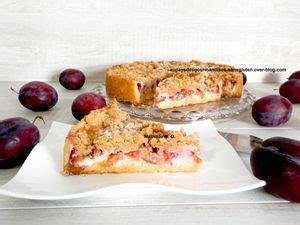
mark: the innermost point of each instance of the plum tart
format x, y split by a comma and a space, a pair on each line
109, 141
168, 82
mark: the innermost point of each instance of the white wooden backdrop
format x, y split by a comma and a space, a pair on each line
40, 38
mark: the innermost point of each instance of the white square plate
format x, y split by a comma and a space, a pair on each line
221, 172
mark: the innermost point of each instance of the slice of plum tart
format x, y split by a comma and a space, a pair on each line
109, 141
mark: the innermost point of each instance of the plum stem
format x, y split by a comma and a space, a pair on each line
275, 89
11, 88
38, 117
255, 143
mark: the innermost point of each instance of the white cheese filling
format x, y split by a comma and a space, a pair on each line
230, 88
90, 161
182, 159
193, 98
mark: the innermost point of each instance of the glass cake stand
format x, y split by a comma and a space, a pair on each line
226, 108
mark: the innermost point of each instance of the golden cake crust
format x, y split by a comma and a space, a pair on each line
123, 88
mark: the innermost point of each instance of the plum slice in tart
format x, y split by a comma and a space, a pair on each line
145, 91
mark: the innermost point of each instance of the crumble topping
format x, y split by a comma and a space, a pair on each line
182, 80
109, 130
142, 72
150, 72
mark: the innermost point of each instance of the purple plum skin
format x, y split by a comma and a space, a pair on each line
272, 110
291, 90
277, 161
244, 78
18, 136
295, 75
72, 79
84, 103
38, 96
